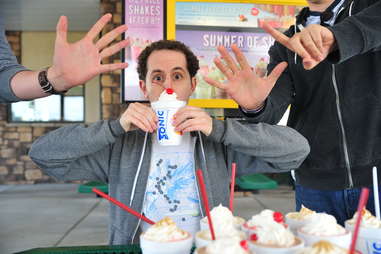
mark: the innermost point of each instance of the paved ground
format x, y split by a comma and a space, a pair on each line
48, 215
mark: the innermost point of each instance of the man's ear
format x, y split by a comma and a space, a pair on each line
193, 83
143, 87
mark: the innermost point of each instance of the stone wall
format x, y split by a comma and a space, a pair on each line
110, 82
16, 139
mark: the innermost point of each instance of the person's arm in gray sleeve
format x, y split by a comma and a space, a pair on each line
77, 152
357, 34
280, 148
73, 64
8, 69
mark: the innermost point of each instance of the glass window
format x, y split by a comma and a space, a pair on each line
55, 108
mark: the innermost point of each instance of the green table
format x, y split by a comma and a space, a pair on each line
115, 249
255, 182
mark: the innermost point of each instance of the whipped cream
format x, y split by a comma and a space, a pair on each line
263, 219
164, 96
224, 246
323, 225
165, 231
367, 220
223, 223
323, 247
274, 234
303, 214
222, 215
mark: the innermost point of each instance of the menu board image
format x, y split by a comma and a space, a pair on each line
146, 22
204, 25
234, 14
203, 42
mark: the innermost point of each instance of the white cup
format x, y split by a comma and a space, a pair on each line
203, 238
369, 239
172, 247
165, 111
294, 224
260, 248
342, 240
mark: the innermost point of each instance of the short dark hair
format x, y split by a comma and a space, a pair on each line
192, 61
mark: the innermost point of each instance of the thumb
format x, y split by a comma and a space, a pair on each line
61, 29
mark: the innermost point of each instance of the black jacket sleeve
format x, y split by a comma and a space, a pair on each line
358, 34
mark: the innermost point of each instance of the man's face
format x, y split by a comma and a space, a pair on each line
167, 69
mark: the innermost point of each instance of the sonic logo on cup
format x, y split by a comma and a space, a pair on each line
162, 131
375, 247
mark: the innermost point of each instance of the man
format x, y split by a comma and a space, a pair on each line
335, 105
160, 180
73, 63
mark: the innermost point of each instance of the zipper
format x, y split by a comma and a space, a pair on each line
345, 145
140, 220
135, 182
197, 186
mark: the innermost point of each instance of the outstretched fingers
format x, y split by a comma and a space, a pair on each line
98, 26
110, 36
241, 59
276, 73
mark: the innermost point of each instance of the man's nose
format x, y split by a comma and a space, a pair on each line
168, 83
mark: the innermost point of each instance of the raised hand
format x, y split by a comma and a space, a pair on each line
312, 44
243, 85
76, 63
189, 119
138, 115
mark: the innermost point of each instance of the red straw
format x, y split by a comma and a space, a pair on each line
232, 184
123, 206
206, 203
363, 199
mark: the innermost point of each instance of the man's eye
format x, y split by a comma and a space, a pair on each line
178, 76
158, 78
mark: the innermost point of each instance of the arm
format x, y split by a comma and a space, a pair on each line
77, 152
8, 69
273, 148
357, 34
354, 35
73, 63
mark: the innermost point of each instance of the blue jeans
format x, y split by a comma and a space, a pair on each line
342, 204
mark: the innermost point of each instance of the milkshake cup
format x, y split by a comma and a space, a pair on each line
165, 108
325, 247
238, 222
296, 220
222, 215
165, 238
269, 249
369, 238
274, 237
224, 246
263, 219
204, 238
325, 227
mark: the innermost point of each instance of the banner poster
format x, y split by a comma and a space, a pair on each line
145, 20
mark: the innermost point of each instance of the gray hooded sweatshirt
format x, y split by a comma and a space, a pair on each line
104, 152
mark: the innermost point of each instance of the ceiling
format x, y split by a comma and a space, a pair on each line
42, 15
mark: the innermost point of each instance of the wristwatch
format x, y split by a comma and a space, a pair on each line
45, 84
